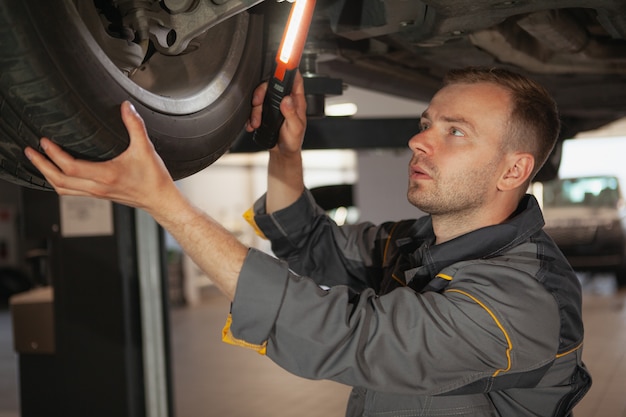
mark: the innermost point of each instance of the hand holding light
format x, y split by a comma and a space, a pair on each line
283, 72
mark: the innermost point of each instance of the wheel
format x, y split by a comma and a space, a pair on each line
58, 79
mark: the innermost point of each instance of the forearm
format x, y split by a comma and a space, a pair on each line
297, 317
139, 178
285, 182
214, 249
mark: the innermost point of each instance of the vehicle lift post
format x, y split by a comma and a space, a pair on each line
110, 352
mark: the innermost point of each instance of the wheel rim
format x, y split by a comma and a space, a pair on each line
176, 85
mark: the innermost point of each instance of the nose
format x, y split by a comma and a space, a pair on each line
420, 142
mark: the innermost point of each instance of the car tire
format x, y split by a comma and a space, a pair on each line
57, 81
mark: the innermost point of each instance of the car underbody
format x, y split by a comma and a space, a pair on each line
188, 65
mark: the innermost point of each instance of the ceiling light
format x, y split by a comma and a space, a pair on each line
341, 109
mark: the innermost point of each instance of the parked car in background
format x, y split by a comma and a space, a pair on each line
586, 217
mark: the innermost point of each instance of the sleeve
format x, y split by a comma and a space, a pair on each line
315, 246
460, 341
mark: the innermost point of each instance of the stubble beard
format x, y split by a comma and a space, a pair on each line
459, 194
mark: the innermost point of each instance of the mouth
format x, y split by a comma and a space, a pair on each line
416, 172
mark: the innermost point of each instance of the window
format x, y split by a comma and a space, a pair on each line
601, 191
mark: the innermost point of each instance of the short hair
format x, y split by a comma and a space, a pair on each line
534, 124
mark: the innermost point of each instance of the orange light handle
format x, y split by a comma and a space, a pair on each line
284, 70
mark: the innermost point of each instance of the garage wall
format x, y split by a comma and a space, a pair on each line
382, 186
595, 156
229, 187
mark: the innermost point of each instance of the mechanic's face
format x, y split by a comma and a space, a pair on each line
457, 156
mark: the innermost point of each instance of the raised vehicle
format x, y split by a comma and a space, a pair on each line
189, 66
586, 217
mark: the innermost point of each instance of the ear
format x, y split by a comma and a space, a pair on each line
518, 168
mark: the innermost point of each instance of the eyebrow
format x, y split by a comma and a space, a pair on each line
452, 119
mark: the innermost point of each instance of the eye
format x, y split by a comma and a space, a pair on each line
456, 132
423, 126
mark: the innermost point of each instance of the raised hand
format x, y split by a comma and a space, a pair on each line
137, 177
293, 108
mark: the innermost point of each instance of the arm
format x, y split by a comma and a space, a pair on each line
284, 182
315, 246
478, 335
132, 179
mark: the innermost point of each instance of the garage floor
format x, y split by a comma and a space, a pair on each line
211, 378
216, 379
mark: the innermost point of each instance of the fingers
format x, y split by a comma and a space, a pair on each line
134, 125
130, 178
72, 176
298, 85
293, 108
61, 170
61, 163
295, 103
259, 94
47, 168
61, 160
257, 107
299, 96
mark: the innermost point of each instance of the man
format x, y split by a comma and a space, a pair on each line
470, 311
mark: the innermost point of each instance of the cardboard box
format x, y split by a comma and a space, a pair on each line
33, 321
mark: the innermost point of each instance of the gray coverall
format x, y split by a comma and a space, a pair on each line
487, 324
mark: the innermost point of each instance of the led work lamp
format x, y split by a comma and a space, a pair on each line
283, 72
